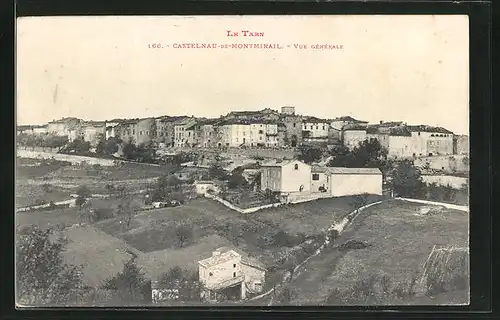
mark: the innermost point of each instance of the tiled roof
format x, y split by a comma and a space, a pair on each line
223, 257
342, 170
311, 119
64, 120
424, 128
400, 131
349, 119
354, 127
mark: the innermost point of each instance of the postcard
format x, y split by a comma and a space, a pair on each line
302, 160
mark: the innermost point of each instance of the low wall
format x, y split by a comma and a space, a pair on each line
69, 202
64, 157
240, 210
446, 205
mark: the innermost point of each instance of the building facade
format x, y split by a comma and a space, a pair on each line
351, 137
291, 128
92, 131
137, 131
229, 275
286, 177
63, 126
341, 123
461, 145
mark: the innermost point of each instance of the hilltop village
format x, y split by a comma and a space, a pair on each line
248, 208
266, 128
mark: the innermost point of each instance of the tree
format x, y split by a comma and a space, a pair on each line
309, 154
286, 296
127, 206
101, 144
407, 180
236, 180
217, 172
183, 235
111, 146
42, 277
359, 201
130, 284
368, 153
83, 193
129, 150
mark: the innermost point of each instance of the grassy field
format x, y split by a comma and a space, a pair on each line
49, 218
310, 217
400, 240
32, 174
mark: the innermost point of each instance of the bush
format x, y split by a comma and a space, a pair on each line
353, 245
46, 187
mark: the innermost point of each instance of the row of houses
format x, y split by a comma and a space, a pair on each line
266, 128
407, 141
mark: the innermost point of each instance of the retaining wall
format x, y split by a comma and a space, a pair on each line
446, 205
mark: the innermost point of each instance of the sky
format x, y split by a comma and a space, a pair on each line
393, 68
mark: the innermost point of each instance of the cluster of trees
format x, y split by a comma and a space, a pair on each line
41, 141
167, 188
374, 290
43, 278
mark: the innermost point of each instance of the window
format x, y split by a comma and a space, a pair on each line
140, 132
147, 132
316, 127
419, 133
234, 265
315, 176
324, 127
210, 274
234, 274
294, 125
261, 131
296, 167
133, 131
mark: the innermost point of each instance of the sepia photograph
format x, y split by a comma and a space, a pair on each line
287, 160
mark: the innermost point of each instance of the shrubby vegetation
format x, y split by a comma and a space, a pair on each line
41, 141
42, 277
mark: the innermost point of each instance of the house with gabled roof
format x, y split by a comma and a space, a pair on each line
230, 274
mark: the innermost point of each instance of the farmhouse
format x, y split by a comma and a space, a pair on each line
293, 179
229, 275
338, 182
289, 178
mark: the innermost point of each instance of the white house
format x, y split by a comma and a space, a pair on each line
352, 136
315, 129
288, 177
338, 182
203, 186
229, 274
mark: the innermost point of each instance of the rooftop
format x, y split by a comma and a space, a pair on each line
355, 127
425, 128
217, 259
311, 119
342, 170
348, 119
277, 163
64, 120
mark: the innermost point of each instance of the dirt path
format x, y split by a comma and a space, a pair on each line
340, 227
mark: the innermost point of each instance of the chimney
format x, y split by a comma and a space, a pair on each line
381, 121
216, 253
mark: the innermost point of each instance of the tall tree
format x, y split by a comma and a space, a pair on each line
130, 284
128, 205
407, 180
309, 154
42, 277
